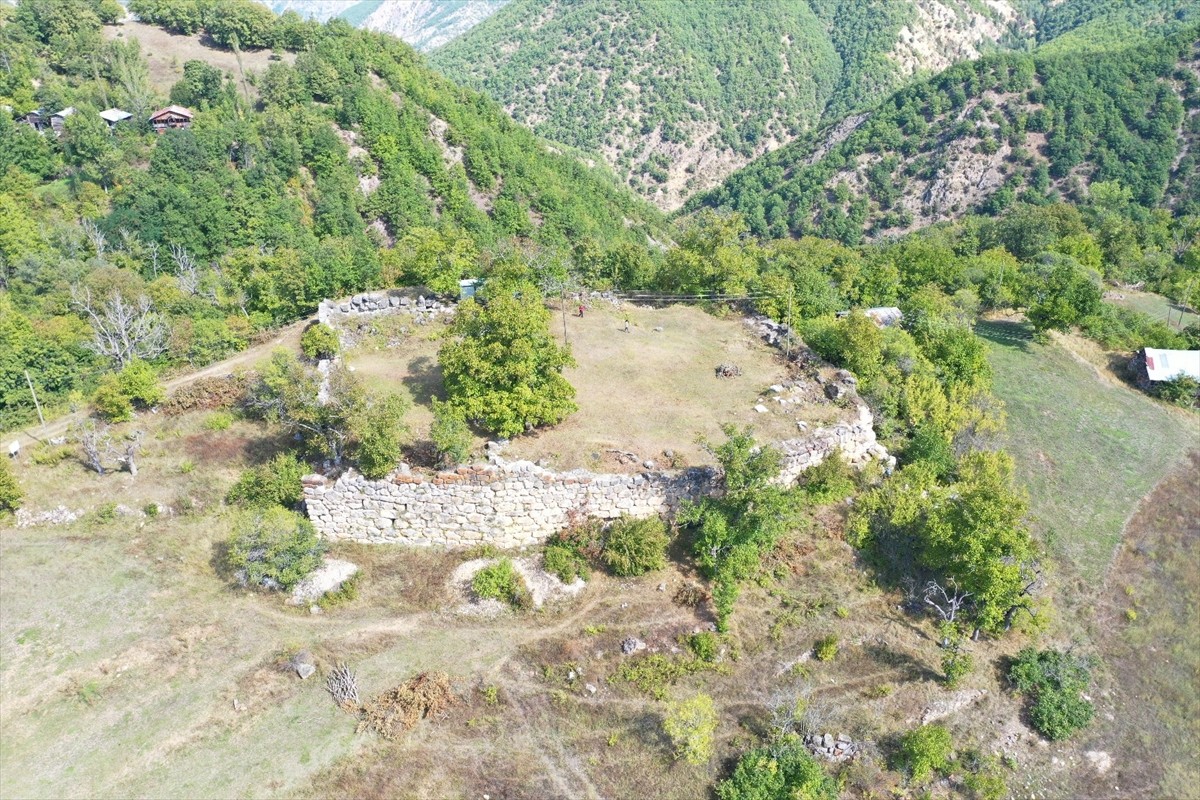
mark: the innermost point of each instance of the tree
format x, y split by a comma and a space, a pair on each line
291, 394
450, 434
502, 367
1065, 294
275, 483
635, 546
11, 495
380, 432
199, 87
319, 342
122, 331
732, 532
690, 725
436, 259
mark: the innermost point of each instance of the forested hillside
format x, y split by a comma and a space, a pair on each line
677, 95
354, 167
1030, 127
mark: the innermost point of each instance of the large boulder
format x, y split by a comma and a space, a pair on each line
326, 578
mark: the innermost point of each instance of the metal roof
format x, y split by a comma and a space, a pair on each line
114, 115
1163, 365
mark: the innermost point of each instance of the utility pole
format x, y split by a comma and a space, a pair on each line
35, 400
789, 326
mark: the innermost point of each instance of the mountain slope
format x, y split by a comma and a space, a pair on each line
677, 95
425, 24
982, 134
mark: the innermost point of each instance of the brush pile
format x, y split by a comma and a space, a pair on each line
398, 710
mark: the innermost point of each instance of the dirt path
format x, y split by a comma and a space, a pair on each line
288, 336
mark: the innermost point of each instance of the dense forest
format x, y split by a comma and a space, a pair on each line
351, 167
674, 93
1032, 127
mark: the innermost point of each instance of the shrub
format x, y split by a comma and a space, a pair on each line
561, 559
276, 483
450, 435
319, 341
11, 495
501, 581
110, 403
826, 648
49, 455
924, 751
150, 509
219, 421
207, 394
778, 773
653, 673
828, 481
956, 665
273, 548
704, 645
690, 724
1183, 390
635, 546
1056, 682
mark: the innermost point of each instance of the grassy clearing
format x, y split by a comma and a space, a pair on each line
1087, 448
1157, 307
645, 391
166, 54
1153, 654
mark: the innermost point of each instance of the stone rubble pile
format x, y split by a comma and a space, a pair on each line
330, 311
830, 747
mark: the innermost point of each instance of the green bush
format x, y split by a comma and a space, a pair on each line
653, 673
826, 648
381, 431
450, 435
561, 559
828, 481
218, 421
275, 483
110, 402
785, 772
635, 546
319, 341
1056, 682
690, 724
956, 665
10, 492
134, 386
1183, 390
501, 581
704, 645
924, 751
273, 548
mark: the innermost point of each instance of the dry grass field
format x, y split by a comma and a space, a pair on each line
131, 667
166, 53
646, 391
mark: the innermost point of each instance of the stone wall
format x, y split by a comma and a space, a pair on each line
518, 504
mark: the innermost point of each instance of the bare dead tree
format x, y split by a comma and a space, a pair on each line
96, 443
946, 603
129, 240
152, 251
186, 269
342, 684
133, 443
122, 330
95, 236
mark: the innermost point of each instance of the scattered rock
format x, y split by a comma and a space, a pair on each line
590, 688
649, 464
760, 408
631, 645
662, 587
658, 329
328, 577
303, 664
55, 516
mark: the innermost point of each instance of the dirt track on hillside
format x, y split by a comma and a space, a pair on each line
288, 336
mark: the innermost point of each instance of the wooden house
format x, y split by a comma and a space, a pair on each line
114, 116
58, 120
36, 119
171, 117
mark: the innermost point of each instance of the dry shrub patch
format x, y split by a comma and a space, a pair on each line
206, 394
398, 710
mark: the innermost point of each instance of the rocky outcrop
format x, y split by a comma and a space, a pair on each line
517, 504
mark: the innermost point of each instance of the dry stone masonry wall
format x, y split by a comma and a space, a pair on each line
516, 504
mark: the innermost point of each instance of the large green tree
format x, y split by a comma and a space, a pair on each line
502, 366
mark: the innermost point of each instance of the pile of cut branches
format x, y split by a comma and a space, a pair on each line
398, 710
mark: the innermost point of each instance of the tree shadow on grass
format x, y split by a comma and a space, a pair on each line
910, 668
1005, 333
424, 380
